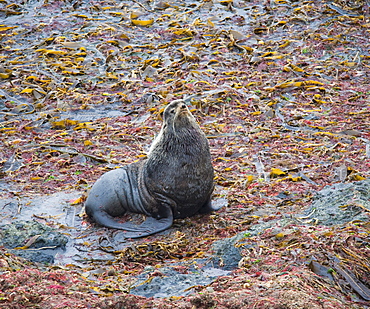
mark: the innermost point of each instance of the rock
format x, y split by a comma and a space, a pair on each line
170, 282
32, 240
341, 203
226, 255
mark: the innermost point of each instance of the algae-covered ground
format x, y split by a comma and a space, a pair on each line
281, 89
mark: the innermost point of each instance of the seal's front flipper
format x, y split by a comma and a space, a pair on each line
148, 227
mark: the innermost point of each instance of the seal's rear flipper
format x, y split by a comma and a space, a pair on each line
148, 227
103, 219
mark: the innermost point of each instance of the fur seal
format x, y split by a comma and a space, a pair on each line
175, 181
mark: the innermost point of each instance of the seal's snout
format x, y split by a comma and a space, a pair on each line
183, 109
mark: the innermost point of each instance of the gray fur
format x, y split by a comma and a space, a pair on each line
175, 181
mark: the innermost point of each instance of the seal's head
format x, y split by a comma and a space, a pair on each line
177, 116
179, 127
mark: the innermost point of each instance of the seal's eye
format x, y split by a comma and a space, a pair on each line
172, 111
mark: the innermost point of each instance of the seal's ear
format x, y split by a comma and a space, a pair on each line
160, 113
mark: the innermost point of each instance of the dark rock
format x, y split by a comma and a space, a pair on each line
36, 242
34, 256
341, 203
226, 255
173, 283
